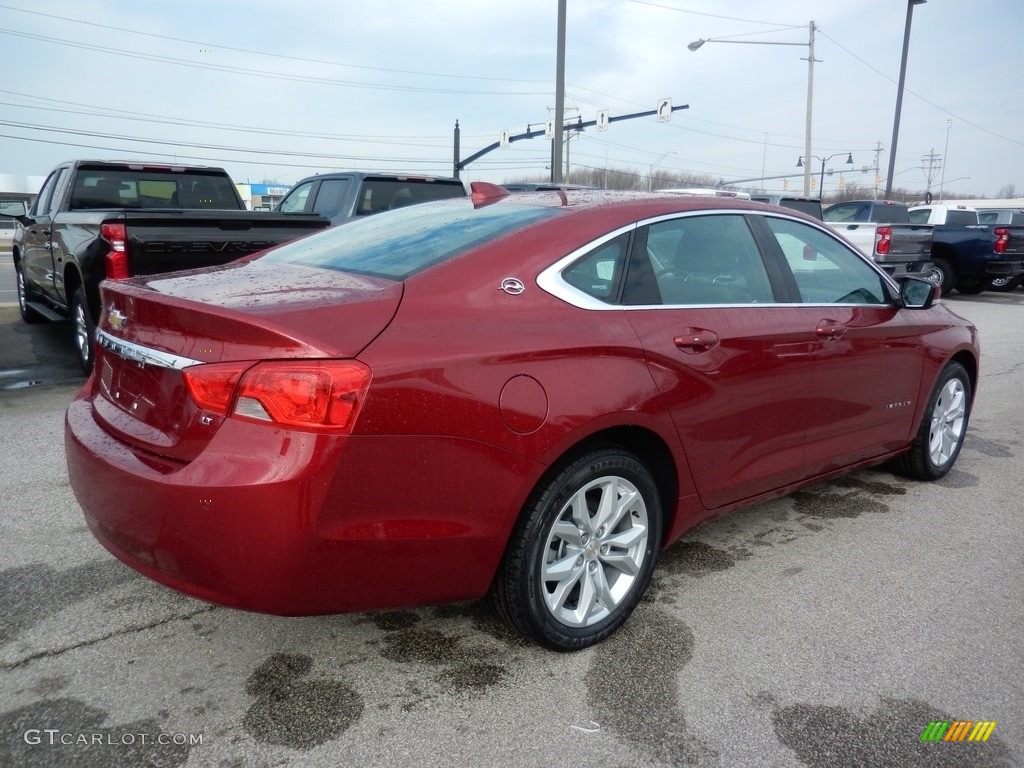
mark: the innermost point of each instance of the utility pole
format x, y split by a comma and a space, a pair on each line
457, 140
556, 147
933, 161
899, 96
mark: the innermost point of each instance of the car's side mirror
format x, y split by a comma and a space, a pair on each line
917, 294
14, 209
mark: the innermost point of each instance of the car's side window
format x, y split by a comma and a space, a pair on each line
297, 199
846, 212
699, 260
329, 198
42, 203
598, 273
826, 271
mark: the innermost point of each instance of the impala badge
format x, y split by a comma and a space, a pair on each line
513, 286
117, 320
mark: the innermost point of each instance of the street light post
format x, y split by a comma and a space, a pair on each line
899, 96
810, 83
650, 171
821, 179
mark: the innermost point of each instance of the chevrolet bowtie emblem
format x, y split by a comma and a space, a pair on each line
117, 320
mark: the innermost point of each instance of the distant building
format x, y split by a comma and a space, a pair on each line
263, 197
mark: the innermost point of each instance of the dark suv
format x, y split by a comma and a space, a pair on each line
345, 195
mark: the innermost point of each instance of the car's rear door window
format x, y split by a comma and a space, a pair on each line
330, 196
598, 273
698, 260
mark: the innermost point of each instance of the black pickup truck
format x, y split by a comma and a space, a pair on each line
96, 220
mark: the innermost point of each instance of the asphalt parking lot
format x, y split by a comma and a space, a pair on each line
826, 628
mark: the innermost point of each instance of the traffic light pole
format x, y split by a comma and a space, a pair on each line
530, 133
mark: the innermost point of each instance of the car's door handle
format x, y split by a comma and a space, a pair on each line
696, 340
830, 329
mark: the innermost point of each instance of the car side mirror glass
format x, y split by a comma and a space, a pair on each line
14, 209
917, 294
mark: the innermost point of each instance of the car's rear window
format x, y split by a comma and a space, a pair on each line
400, 243
110, 188
387, 194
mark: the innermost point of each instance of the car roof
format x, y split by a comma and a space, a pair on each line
378, 175
622, 207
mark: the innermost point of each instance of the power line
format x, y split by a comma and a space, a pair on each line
943, 110
261, 73
219, 46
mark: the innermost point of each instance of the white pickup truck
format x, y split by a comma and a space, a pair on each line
954, 215
882, 230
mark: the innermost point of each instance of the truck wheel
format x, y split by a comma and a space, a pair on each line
28, 314
1005, 284
83, 331
942, 275
583, 552
943, 427
970, 286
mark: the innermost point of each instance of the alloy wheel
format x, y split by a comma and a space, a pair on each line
948, 422
594, 551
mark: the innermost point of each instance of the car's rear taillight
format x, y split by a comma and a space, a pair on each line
116, 261
323, 395
213, 386
1002, 239
883, 240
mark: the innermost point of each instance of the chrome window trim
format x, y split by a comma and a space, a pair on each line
137, 353
550, 279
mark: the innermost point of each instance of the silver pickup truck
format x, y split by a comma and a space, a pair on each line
882, 230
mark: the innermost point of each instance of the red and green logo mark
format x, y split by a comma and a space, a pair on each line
958, 730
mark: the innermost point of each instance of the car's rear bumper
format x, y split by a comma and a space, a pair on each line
1004, 268
293, 523
919, 269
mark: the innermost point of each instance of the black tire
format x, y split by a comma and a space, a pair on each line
604, 569
943, 427
942, 275
971, 286
83, 330
1005, 285
28, 314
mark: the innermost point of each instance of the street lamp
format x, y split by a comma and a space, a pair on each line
899, 95
650, 172
821, 181
810, 83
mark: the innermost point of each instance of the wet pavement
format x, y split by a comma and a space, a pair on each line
826, 628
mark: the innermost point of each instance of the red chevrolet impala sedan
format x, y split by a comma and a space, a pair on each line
522, 396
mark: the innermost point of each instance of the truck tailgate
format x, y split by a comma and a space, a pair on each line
166, 241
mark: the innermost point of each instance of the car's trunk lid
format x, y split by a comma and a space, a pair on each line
153, 328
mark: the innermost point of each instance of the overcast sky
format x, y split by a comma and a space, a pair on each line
278, 90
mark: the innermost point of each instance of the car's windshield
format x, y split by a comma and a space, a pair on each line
400, 243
